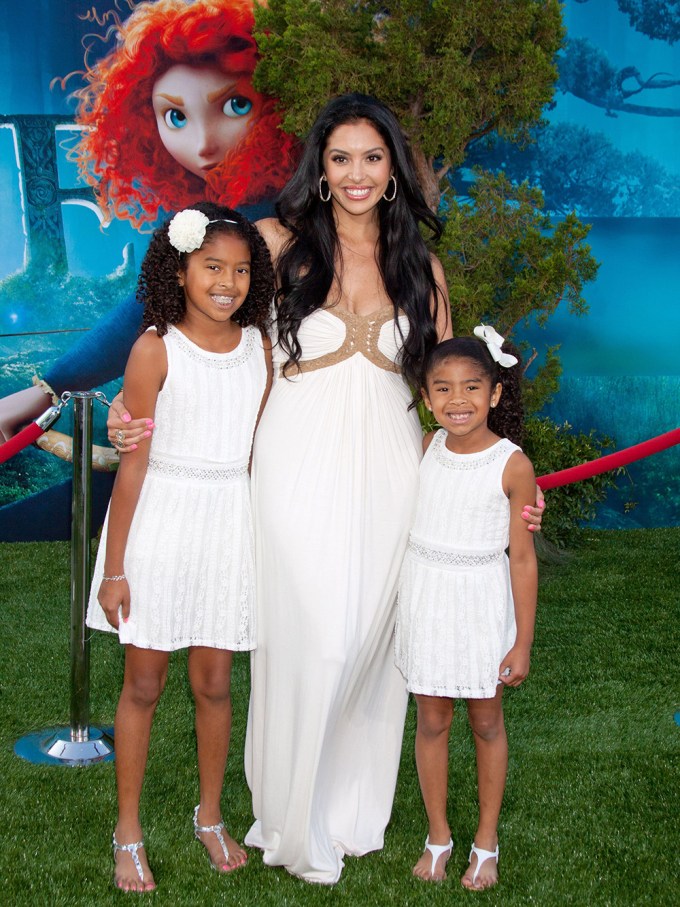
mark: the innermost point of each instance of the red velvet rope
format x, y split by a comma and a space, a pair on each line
25, 437
611, 461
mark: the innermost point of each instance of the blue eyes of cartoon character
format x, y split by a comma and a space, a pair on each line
237, 107
174, 118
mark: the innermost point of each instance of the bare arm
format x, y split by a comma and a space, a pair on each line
275, 236
519, 484
144, 376
443, 309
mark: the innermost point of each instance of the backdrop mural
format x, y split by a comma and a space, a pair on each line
98, 140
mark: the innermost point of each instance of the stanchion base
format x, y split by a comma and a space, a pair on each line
54, 746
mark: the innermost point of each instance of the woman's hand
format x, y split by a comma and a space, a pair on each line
19, 409
534, 515
125, 432
112, 596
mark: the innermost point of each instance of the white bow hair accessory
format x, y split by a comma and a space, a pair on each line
494, 342
186, 230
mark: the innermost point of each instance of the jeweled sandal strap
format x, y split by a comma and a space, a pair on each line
215, 829
132, 850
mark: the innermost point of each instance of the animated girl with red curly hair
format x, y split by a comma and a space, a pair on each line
171, 119
172, 116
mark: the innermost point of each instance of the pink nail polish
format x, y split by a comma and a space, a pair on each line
532, 528
127, 417
133, 447
147, 434
149, 422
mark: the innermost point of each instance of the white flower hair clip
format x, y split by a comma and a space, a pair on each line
186, 231
494, 342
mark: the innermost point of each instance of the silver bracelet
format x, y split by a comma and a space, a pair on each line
113, 579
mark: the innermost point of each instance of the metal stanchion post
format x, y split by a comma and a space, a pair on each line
81, 743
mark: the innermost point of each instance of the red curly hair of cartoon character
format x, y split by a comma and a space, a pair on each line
121, 154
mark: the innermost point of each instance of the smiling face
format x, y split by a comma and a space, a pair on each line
459, 394
216, 280
202, 112
357, 164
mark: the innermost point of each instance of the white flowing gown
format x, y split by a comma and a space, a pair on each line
335, 474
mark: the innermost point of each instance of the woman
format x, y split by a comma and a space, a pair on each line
335, 465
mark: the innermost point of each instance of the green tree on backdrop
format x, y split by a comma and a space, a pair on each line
455, 73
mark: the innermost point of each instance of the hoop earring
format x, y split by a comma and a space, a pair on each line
321, 195
394, 194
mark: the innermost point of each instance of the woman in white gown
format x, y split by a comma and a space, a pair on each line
335, 470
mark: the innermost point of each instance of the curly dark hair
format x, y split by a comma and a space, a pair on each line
158, 288
506, 419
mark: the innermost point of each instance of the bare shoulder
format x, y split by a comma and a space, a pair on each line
274, 234
437, 269
519, 468
427, 440
148, 352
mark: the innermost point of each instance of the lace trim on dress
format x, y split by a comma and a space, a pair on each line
201, 473
361, 336
453, 558
218, 360
467, 461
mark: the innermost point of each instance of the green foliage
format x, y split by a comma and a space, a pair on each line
553, 447
452, 72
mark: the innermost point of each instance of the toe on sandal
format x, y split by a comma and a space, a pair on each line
482, 857
217, 831
132, 850
435, 851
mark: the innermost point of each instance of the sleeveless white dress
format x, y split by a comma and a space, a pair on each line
456, 619
335, 473
189, 558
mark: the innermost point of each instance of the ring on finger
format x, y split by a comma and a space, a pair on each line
120, 438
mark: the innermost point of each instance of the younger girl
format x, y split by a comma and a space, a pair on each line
175, 563
466, 614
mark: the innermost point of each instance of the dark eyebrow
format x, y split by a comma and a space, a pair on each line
348, 153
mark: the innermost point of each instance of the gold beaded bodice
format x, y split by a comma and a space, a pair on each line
361, 335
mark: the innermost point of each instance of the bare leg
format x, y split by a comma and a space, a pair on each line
491, 744
210, 678
432, 760
144, 679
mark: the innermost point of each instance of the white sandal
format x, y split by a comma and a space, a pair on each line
435, 851
217, 831
132, 850
482, 857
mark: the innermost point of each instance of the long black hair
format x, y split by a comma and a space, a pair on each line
507, 418
158, 287
306, 266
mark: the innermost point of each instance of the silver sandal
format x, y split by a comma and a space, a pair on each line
132, 850
216, 830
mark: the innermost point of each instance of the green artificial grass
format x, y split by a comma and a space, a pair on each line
592, 803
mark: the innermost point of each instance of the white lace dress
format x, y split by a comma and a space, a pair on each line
189, 557
335, 471
456, 619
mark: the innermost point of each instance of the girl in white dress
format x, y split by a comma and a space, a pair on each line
175, 563
466, 612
